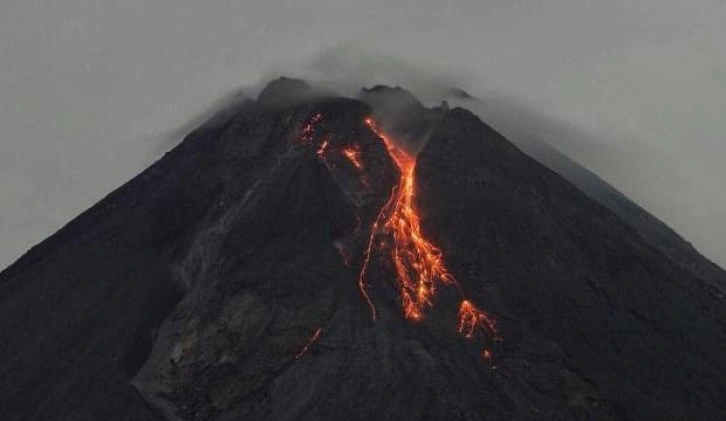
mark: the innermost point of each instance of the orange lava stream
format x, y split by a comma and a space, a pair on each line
311, 341
419, 264
471, 319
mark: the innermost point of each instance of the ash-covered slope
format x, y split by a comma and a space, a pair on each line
657, 233
225, 283
526, 128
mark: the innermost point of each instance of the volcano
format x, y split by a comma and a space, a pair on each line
307, 256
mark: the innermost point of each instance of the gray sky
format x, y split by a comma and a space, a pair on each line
90, 89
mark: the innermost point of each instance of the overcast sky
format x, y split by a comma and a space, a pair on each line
90, 89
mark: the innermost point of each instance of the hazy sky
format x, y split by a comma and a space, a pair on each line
90, 89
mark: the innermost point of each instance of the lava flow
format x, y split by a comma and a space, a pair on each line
419, 264
353, 155
310, 343
396, 232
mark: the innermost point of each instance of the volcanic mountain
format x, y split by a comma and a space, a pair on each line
306, 256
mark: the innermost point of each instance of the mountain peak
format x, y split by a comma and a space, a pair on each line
284, 90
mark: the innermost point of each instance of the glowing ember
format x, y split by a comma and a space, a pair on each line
323, 148
311, 341
308, 131
353, 155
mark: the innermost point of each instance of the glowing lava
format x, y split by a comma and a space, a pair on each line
419, 264
323, 148
353, 155
310, 342
308, 131
471, 319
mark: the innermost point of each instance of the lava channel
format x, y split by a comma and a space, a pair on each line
310, 343
419, 264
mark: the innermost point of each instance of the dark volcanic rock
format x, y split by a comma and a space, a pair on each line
654, 231
222, 283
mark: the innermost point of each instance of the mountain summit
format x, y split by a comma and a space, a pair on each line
306, 256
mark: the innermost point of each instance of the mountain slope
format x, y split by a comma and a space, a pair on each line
528, 129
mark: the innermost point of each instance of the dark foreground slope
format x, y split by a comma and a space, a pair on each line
222, 283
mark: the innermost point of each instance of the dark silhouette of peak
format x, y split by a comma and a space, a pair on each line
296, 260
401, 113
391, 96
286, 90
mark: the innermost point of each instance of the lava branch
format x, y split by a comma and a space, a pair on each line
471, 319
353, 155
310, 343
323, 149
419, 264
308, 131
367, 259
311, 130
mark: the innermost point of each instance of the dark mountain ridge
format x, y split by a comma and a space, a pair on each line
524, 126
223, 283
